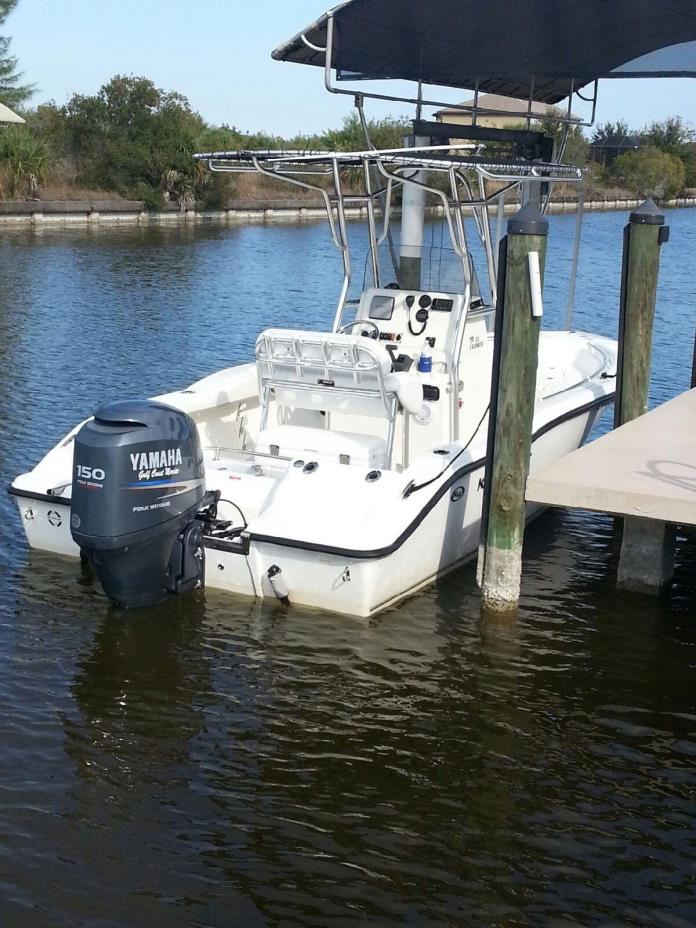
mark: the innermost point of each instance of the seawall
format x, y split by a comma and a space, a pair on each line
88, 212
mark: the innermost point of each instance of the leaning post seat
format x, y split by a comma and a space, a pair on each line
324, 372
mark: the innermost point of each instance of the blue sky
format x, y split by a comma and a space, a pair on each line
217, 53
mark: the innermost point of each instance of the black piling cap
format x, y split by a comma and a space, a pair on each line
528, 221
647, 214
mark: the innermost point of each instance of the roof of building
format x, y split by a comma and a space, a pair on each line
6, 115
494, 101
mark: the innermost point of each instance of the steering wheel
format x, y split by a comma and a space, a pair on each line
350, 325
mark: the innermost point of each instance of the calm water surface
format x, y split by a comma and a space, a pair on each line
218, 762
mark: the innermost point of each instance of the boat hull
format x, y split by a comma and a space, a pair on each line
443, 534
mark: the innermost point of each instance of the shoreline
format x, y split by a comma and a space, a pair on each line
87, 212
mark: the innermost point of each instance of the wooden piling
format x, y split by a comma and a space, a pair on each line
513, 391
646, 562
643, 236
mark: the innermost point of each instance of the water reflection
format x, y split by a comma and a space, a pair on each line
138, 669
305, 769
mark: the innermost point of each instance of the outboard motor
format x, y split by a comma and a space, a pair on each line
138, 485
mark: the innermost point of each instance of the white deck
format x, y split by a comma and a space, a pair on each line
645, 468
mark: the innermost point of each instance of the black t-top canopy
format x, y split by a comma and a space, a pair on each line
538, 49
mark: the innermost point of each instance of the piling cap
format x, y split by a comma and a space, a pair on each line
647, 214
528, 221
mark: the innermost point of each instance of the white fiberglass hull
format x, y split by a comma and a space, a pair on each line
443, 535
342, 544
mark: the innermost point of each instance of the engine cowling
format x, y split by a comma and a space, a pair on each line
138, 484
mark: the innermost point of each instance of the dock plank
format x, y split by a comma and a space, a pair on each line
645, 468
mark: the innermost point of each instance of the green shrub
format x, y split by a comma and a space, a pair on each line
577, 147
649, 172
152, 197
384, 133
25, 159
688, 156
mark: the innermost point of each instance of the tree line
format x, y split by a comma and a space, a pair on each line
658, 160
137, 140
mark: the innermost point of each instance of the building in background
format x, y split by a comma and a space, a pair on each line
7, 117
492, 101
605, 149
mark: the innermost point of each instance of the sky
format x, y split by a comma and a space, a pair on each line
217, 53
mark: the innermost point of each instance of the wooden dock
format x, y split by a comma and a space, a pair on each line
645, 470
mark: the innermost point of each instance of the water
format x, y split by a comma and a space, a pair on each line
217, 762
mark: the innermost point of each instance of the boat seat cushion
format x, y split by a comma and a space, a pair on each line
323, 444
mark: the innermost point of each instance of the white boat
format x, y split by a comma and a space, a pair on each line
341, 469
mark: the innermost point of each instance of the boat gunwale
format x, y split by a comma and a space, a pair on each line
355, 553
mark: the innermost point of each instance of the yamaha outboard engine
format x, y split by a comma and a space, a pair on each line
138, 485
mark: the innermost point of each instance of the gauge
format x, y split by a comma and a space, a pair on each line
381, 307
